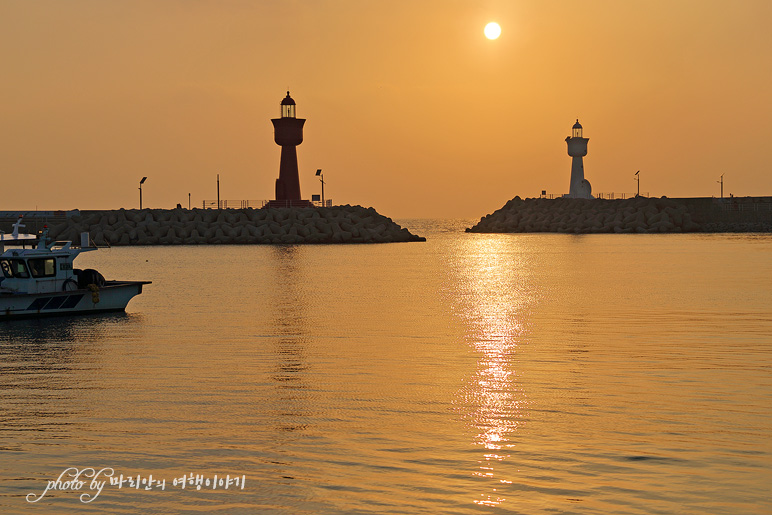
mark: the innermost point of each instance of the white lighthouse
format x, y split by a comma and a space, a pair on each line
577, 149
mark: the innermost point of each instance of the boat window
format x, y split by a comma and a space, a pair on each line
6, 267
15, 268
42, 267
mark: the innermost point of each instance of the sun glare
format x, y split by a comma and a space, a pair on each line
492, 30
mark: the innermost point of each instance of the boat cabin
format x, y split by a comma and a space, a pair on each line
44, 269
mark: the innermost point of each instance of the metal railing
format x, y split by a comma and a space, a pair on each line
257, 204
622, 196
233, 204
607, 196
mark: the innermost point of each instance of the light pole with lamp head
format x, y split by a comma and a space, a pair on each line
140, 191
321, 179
638, 180
721, 182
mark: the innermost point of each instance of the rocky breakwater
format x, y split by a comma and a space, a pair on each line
636, 215
338, 224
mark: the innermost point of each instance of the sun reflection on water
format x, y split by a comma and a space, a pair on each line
494, 288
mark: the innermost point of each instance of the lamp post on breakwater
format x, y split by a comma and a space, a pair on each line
638, 180
721, 182
321, 179
140, 191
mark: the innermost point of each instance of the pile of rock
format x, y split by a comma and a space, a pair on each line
636, 215
338, 224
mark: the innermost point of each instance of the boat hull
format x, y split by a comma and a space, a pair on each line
113, 296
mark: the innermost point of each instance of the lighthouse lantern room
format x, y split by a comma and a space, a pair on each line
288, 107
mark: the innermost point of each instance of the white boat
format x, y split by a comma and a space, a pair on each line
41, 281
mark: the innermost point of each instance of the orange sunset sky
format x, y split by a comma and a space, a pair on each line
409, 108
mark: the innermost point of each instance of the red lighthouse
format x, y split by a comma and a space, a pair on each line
288, 133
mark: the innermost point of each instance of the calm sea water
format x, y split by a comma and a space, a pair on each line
469, 374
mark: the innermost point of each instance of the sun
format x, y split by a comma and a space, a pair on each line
492, 30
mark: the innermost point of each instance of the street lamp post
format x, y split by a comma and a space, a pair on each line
321, 179
638, 180
140, 191
721, 182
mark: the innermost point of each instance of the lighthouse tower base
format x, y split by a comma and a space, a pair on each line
582, 190
579, 187
273, 204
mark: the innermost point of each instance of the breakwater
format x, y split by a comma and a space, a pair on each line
338, 224
635, 215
